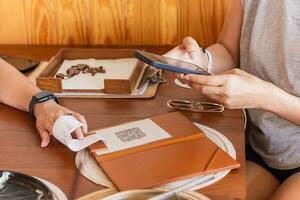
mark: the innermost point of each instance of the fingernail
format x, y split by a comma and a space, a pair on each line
186, 77
193, 55
191, 48
85, 129
44, 144
81, 136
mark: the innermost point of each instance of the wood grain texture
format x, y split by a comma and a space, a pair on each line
39, 19
132, 22
106, 22
149, 23
168, 17
111, 22
12, 27
71, 21
203, 19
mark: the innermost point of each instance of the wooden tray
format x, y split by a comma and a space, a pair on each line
47, 80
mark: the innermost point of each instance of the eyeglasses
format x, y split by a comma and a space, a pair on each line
195, 106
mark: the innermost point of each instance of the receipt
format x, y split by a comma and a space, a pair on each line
62, 131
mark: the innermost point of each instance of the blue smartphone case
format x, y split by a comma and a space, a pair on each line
139, 55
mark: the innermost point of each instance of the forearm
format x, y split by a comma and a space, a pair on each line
283, 104
15, 89
226, 52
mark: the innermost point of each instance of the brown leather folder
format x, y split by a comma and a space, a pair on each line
186, 154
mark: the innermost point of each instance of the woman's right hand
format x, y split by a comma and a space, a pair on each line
188, 51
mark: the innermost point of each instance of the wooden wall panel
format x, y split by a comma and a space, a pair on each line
40, 20
168, 21
220, 11
132, 22
199, 20
203, 19
110, 22
71, 21
149, 19
106, 22
12, 24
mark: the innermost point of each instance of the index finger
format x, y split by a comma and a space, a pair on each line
82, 120
79, 133
191, 47
212, 80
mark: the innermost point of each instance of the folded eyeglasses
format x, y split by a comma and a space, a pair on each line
195, 106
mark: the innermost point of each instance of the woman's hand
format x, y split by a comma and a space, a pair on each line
189, 51
234, 88
46, 113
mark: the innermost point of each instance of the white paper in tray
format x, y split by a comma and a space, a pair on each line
115, 69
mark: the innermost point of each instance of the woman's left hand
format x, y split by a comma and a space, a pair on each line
234, 88
46, 113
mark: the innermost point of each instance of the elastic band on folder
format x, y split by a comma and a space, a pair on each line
149, 146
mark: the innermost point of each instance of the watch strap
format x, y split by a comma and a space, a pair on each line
40, 98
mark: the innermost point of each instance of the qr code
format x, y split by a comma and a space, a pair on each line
131, 134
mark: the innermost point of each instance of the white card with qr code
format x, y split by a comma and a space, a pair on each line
131, 135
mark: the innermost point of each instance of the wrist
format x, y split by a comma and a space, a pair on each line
41, 107
271, 98
39, 102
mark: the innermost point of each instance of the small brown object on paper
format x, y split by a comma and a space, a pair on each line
76, 69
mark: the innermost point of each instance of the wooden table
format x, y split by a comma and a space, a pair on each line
20, 144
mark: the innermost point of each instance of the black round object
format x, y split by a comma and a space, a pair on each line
20, 186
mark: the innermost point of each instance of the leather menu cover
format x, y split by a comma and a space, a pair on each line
186, 154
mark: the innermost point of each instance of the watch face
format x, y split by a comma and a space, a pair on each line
43, 96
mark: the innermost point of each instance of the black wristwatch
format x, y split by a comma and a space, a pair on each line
40, 98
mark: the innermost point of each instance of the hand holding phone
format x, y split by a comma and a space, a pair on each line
170, 64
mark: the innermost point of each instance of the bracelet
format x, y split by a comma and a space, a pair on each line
209, 59
208, 64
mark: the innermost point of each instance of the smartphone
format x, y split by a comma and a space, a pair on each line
23, 65
170, 64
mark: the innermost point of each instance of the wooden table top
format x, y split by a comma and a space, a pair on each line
20, 144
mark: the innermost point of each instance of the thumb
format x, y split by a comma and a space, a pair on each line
191, 47
45, 137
